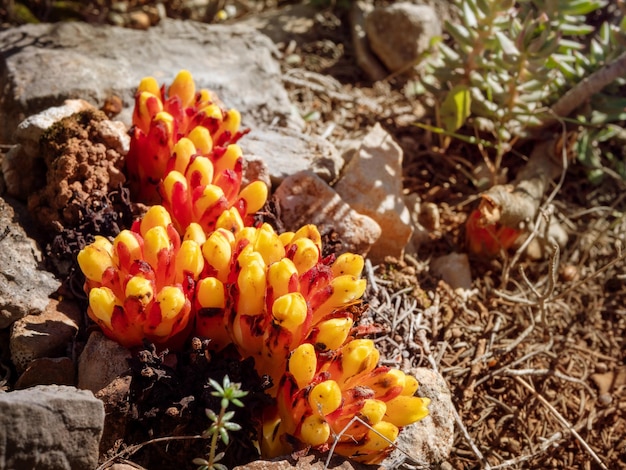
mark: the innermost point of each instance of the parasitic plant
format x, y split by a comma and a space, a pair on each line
199, 264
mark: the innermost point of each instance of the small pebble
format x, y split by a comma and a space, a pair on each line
605, 399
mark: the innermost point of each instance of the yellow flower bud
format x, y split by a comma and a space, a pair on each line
228, 160
155, 240
184, 87
410, 385
168, 120
345, 290
171, 301
202, 140
189, 258
359, 356
325, 397
307, 255
194, 232
217, 251
373, 411
268, 244
333, 333
209, 197
171, 179
94, 259
404, 410
279, 274
290, 310
311, 232
147, 106
286, 238
348, 263
230, 220
205, 98
231, 121
150, 85
212, 111
131, 245
381, 436
210, 293
182, 152
139, 288
200, 172
255, 195
157, 216
102, 302
303, 364
315, 430
251, 284
248, 233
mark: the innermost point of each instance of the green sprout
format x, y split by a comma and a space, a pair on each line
230, 393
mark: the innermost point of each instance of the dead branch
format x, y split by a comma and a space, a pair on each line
588, 86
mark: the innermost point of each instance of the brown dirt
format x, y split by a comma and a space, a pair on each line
536, 365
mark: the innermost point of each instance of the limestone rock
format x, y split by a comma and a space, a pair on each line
47, 334
401, 32
372, 185
50, 428
92, 62
48, 371
313, 460
101, 361
24, 289
287, 152
304, 198
429, 441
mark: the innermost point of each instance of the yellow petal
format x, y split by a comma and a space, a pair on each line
279, 274
140, 289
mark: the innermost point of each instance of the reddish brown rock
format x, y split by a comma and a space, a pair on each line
48, 371
101, 362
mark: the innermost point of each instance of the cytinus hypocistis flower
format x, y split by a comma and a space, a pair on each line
199, 264
162, 116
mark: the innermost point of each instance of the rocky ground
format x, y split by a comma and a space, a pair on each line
532, 350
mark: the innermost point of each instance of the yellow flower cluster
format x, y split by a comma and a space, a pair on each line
197, 264
162, 117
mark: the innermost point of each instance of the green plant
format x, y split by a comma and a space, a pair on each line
508, 61
230, 394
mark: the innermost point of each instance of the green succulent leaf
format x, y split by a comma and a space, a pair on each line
456, 108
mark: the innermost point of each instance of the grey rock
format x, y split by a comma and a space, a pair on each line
372, 185
24, 289
399, 34
101, 362
50, 428
454, 269
304, 198
429, 441
47, 334
287, 152
91, 62
289, 23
